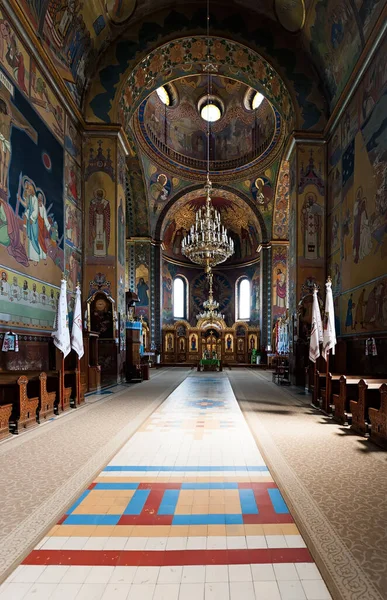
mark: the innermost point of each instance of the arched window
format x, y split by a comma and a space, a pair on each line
244, 299
179, 298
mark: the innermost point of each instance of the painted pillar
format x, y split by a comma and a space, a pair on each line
104, 256
141, 277
307, 264
265, 299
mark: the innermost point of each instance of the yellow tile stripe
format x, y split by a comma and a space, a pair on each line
171, 530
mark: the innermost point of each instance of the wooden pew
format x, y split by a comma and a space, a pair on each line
5, 414
47, 398
369, 396
19, 388
319, 383
348, 390
332, 386
378, 419
24, 414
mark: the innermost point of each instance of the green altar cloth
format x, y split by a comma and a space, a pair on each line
214, 362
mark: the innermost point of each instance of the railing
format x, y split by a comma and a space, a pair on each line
201, 165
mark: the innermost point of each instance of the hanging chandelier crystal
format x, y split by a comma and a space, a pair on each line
210, 312
207, 243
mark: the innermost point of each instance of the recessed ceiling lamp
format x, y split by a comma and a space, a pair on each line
210, 112
257, 101
163, 95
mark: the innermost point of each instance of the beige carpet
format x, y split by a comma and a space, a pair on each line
44, 470
335, 484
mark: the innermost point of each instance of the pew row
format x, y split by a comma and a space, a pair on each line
378, 419
369, 397
27, 397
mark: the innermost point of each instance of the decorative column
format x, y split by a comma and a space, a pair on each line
141, 277
265, 299
307, 249
104, 254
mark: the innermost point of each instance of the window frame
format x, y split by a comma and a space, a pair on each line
239, 283
185, 298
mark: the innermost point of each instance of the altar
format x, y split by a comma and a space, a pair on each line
209, 364
184, 343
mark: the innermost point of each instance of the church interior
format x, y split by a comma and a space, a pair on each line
193, 300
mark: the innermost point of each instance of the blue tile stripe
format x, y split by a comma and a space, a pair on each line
77, 503
116, 486
137, 502
248, 503
191, 469
209, 486
168, 503
92, 520
278, 502
207, 520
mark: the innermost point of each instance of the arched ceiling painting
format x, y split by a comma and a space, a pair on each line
80, 35
240, 220
178, 135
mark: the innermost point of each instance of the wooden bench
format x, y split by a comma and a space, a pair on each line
16, 389
5, 415
348, 390
378, 419
369, 397
47, 398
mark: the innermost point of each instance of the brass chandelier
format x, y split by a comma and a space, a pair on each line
208, 243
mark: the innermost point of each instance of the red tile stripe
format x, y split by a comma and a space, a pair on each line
167, 557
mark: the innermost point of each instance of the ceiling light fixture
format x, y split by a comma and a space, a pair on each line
257, 101
163, 95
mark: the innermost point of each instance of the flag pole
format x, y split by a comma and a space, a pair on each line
62, 386
79, 381
77, 339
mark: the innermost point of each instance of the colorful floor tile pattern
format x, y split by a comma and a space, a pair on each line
187, 510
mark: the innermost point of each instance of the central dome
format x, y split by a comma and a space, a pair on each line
173, 121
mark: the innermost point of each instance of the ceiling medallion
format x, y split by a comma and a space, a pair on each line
290, 14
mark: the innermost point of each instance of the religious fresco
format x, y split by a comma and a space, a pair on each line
279, 279
73, 141
31, 190
73, 228
311, 205
236, 216
281, 204
136, 187
223, 293
364, 309
240, 135
73, 180
119, 11
46, 103
100, 201
359, 208
337, 32
13, 56
255, 276
292, 266
26, 302
73, 270
143, 280
71, 32
168, 273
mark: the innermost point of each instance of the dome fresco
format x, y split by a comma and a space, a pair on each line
179, 133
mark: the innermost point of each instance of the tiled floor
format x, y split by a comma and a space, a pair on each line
187, 510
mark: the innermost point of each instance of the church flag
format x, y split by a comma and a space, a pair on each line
316, 334
329, 336
61, 333
76, 332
